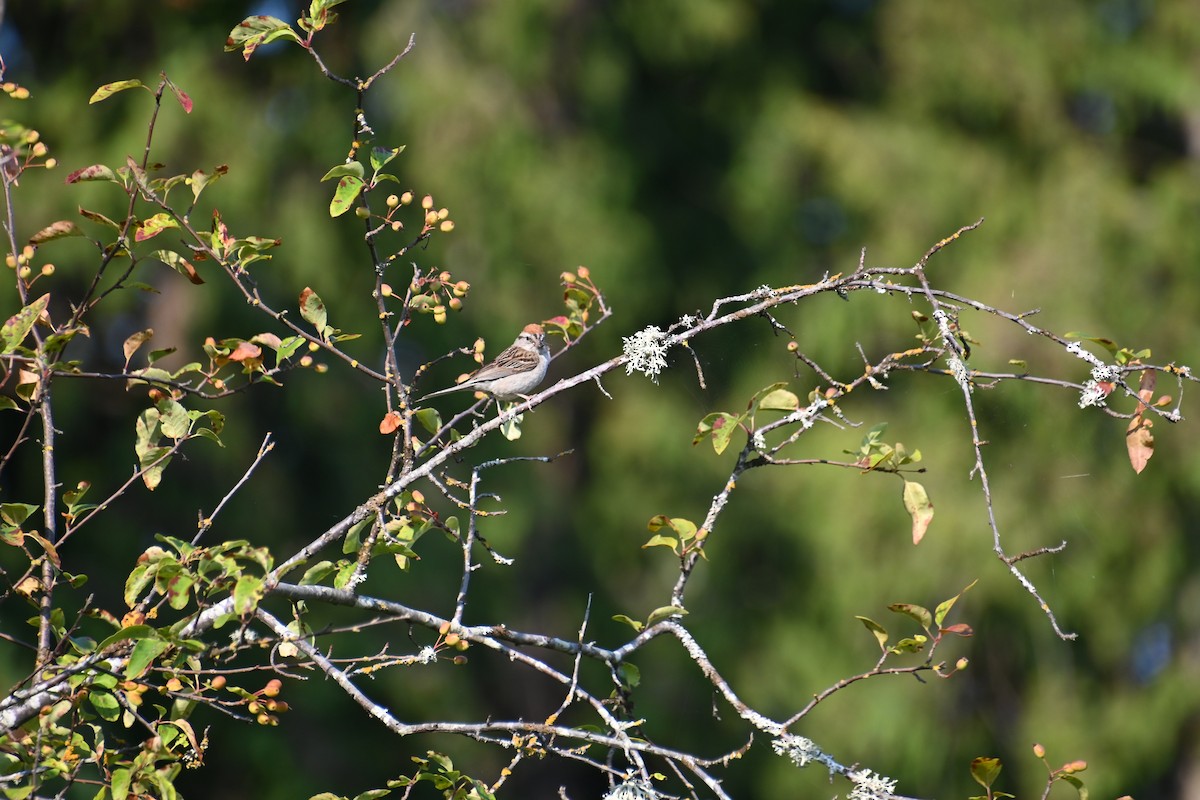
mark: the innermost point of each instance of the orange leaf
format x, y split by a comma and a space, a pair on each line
390, 423
245, 351
1146, 390
1139, 442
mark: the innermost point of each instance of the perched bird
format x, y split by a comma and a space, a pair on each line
514, 373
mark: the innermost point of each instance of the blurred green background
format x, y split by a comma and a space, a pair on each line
685, 150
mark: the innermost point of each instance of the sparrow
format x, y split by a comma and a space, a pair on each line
514, 373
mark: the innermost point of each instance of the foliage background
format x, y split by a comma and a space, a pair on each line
683, 150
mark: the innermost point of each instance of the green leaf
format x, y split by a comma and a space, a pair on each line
155, 355
684, 528
288, 347
779, 400
351, 169
18, 326
179, 590
153, 461
55, 230
1077, 783
1107, 344
147, 429
658, 540
16, 513
246, 593
919, 507
880, 634
312, 308
429, 419
380, 156
872, 439
665, 612
72, 497
150, 375
317, 573
910, 644
96, 172
143, 656
200, 179
353, 539
720, 426
137, 582
510, 429
105, 704
939, 614
985, 771
109, 89
347, 192
153, 226
132, 632
920, 614
253, 32
633, 623
179, 264
173, 419
630, 674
